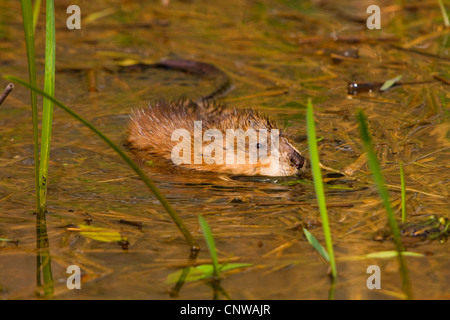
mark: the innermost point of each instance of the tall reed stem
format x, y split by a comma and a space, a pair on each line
318, 184
47, 111
384, 195
29, 40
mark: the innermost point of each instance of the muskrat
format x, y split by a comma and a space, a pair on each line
207, 136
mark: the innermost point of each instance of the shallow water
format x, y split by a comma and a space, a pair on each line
277, 54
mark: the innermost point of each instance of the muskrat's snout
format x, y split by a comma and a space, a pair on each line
291, 161
297, 160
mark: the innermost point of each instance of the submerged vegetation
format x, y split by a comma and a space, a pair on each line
87, 203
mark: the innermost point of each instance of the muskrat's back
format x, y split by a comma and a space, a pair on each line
170, 129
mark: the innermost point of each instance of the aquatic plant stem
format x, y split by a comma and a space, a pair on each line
124, 156
6, 92
384, 195
47, 110
44, 274
211, 245
318, 184
29, 40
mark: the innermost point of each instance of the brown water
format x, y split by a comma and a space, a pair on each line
277, 53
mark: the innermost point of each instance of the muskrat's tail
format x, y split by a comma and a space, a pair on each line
197, 68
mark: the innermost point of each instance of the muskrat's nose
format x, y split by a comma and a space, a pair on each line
297, 160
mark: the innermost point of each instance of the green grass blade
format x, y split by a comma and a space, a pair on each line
36, 9
47, 111
29, 40
318, 184
403, 190
124, 156
389, 83
444, 13
316, 244
384, 195
211, 245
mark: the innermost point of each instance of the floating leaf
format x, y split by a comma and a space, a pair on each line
389, 83
204, 271
382, 255
316, 244
99, 234
392, 254
98, 15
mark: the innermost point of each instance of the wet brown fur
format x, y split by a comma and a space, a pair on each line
151, 129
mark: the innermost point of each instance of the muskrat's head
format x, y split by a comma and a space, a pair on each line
259, 146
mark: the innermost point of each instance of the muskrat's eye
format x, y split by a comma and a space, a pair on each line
259, 146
